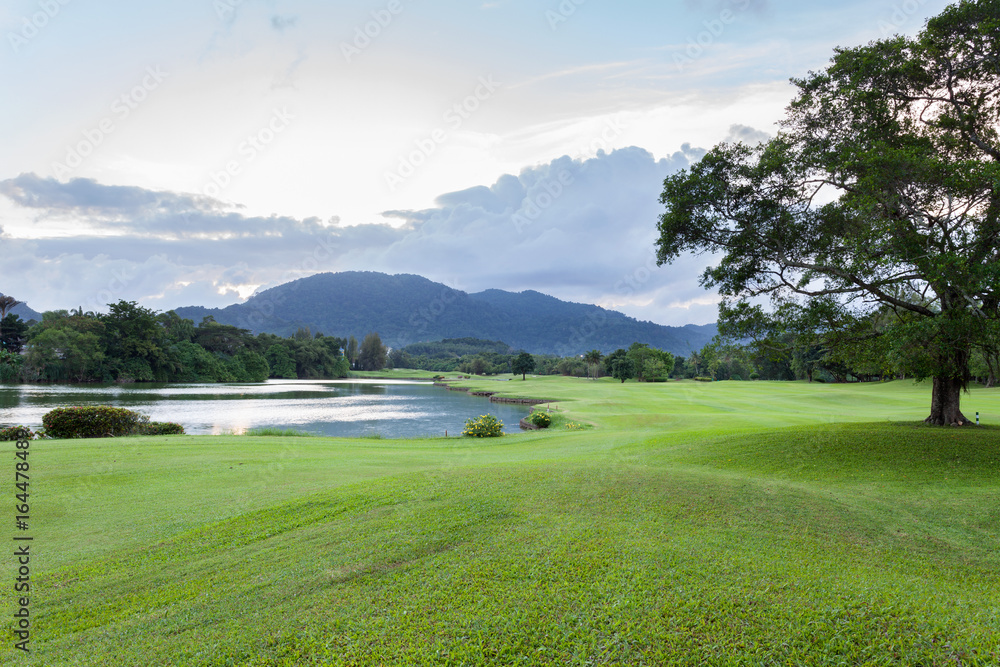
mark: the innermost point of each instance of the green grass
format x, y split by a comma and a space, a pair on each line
688, 523
270, 431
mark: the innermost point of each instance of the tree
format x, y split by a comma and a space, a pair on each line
373, 353
523, 363
899, 138
593, 361
352, 351
14, 333
623, 368
6, 303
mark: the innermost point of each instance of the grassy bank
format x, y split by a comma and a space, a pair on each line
723, 523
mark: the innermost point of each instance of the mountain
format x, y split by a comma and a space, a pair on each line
406, 309
26, 314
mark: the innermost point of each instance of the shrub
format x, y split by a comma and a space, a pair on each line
703, 379
158, 428
736, 377
540, 419
484, 426
16, 433
90, 422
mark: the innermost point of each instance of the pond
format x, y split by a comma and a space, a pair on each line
346, 408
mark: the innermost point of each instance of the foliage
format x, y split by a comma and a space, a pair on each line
90, 422
522, 364
266, 431
10, 366
132, 332
280, 361
540, 419
13, 333
899, 137
373, 353
484, 426
620, 365
58, 351
12, 433
157, 428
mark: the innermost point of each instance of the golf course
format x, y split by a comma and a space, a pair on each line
677, 523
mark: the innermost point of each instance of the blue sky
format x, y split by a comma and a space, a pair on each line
194, 151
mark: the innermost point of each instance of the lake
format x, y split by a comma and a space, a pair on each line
346, 408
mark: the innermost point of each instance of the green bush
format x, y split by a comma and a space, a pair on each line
158, 428
16, 433
484, 426
100, 421
736, 377
703, 379
540, 419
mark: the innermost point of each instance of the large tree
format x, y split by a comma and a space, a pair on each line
523, 363
881, 192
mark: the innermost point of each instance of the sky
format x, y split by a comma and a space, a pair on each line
193, 152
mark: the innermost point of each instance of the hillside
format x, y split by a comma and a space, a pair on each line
407, 309
24, 312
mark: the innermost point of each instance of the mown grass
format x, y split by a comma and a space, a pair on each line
691, 524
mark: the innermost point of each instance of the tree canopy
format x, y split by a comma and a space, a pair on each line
871, 220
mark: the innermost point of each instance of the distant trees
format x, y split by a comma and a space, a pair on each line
373, 353
593, 361
6, 303
523, 364
134, 344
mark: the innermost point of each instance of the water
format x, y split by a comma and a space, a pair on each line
346, 408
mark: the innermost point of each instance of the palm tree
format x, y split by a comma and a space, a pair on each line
593, 359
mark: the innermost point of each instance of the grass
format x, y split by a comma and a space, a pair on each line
272, 431
687, 524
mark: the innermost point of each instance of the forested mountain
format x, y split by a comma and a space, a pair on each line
24, 312
407, 309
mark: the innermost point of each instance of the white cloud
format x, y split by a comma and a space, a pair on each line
581, 230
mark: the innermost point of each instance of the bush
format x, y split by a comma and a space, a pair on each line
90, 422
540, 419
736, 377
16, 433
484, 426
703, 379
158, 428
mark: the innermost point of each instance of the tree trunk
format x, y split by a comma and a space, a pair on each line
945, 401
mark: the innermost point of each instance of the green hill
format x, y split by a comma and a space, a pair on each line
407, 309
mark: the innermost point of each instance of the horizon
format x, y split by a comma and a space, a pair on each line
195, 153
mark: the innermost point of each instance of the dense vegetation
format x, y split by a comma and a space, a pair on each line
408, 309
130, 343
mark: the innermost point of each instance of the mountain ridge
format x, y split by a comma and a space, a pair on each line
407, 308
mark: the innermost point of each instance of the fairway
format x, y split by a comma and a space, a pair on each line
678, 523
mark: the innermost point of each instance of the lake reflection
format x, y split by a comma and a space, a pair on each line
348, 408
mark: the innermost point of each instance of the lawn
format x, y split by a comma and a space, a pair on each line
730, 523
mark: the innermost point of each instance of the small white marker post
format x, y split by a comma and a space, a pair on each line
977, 417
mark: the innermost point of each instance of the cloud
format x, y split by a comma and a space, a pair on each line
281, 23
581, 230
746, 135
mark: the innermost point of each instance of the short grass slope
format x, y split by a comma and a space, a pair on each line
691, 524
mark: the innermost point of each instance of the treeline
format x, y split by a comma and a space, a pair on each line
135, 344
